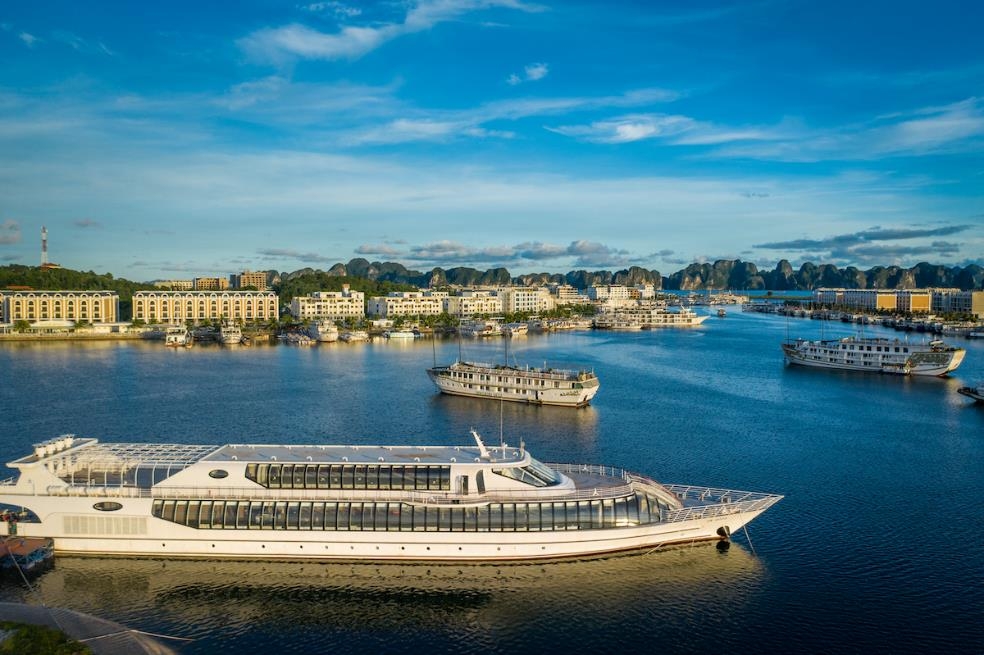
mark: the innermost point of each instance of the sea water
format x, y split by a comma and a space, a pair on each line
877, 545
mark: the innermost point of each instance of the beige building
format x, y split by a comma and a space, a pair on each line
915, 301
59, 307
211, 283
473, 302
256, 279
175, 285
407, 303
531, 300
332, 305
565, 294
958, 302
169, 307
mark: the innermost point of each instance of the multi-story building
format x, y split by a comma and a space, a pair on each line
332, 305
611, 295
211, 283
163, 307
407, 303
914, 301
528, 300
175, 285
255, 279
565, 294
474, 302
957, 302
40, 307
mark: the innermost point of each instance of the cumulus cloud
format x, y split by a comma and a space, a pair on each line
336, 8
286, 253
531, 73
378, 249
10, 232
578, 253
875, 245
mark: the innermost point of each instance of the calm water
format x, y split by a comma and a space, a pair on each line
877, 545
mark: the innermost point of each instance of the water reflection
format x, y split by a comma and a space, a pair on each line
220, 602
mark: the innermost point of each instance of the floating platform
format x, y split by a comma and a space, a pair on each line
29, 554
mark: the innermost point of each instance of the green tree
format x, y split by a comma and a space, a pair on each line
22, 325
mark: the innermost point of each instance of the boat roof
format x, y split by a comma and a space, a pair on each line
360, 454
88, 451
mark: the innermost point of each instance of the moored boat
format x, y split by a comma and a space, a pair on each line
354, 335
324, 331
537, 386
230, 334
349, 502
977, 393
877, 354
176, 336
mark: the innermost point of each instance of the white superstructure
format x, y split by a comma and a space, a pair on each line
350, 502
323, 330
176, 336
537, 386
230, 334
878, 355
647, 316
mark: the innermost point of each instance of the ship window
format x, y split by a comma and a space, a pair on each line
317, 516
342, 519
218, 513
311, 477
348, 475
335, 477
372, 477
108, 506
299, 471
218, 474
355, 516
180, 511
293, 512
360, 476
323, 476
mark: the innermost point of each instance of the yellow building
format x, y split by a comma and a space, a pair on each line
168, 307
211, 283
60, 308
255, 279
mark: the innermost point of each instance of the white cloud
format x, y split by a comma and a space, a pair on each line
10, 232
531, 73
278, 44
29, 39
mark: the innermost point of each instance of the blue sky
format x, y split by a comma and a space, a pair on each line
170, 140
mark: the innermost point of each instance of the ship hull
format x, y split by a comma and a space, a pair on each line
922, 363
108, 537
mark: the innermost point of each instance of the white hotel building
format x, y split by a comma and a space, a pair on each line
474, 302
407, 303
531, 300
331, 305
164, 307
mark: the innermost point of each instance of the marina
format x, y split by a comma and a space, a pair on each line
712, 406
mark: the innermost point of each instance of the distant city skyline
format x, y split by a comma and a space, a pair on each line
175, 141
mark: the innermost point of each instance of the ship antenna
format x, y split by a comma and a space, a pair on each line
482, 450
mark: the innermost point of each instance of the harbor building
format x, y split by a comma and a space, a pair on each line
331, 305
474, 302
914, 301
211, 284
255, 279
407, 303
168, 307
958, 302
59, 309
175, 285
565, 294
529, 300
610, 295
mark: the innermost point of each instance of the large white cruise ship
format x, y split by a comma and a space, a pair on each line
537, 386
876, 354
647, 316
350, 502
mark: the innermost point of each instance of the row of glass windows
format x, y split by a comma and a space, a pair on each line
637, 509
350, 476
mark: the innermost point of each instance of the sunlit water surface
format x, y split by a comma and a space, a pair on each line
876, 546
